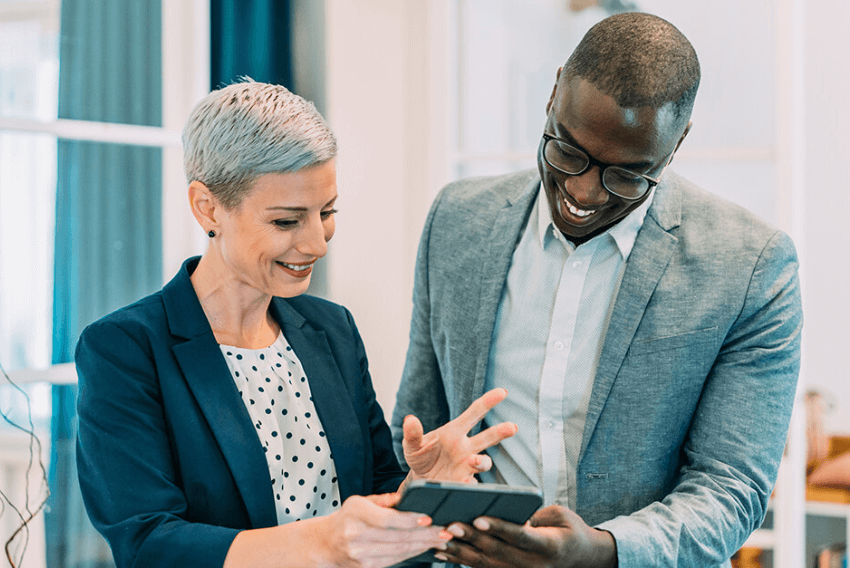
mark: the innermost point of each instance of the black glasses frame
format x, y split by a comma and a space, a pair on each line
591, 161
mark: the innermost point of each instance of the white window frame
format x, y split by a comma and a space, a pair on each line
185, 79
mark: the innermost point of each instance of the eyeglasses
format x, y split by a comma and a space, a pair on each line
624, 183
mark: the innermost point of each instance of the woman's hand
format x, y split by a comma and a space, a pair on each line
366, 532
448, 453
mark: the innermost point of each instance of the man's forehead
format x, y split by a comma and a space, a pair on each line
580, 107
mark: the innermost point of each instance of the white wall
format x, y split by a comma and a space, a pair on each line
376, 102
827, 283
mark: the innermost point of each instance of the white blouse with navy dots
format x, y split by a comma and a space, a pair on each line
276, 393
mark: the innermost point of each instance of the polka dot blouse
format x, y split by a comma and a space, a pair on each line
276, 393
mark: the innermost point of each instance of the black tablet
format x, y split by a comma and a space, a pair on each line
447, 502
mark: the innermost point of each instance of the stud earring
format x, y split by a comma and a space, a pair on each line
211, 233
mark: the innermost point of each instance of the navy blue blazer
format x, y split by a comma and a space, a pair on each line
170, 466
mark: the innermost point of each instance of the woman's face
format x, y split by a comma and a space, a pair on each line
271, 240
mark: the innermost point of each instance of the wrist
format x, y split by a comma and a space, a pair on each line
603, 549
325, 542
305, 543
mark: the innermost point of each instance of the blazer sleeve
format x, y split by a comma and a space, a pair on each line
737, 435
421, 391
127, 474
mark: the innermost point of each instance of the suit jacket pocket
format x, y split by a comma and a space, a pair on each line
678, 341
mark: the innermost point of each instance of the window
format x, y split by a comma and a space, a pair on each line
93, 118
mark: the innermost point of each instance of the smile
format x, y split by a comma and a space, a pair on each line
576, 211
296, 267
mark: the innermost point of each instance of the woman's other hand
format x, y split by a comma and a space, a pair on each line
449, 453
367, 532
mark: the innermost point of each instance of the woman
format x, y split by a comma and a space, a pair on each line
229, 420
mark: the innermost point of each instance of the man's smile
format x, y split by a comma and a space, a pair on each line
578, 212
570, 211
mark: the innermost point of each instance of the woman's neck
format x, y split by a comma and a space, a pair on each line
238, 314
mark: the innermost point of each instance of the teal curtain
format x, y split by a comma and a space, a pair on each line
108, 249
250, 38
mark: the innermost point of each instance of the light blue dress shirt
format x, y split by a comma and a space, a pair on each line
547, 339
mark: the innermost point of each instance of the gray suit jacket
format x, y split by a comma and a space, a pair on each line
693, 394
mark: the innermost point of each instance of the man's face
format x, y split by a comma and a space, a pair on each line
639, 139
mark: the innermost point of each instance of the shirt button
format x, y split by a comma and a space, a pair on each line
559, 346
551, 424
577, 264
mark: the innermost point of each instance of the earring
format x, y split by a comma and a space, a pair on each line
211, 233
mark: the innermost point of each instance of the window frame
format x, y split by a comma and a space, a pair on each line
185, 79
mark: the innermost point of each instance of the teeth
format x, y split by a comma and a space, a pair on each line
577, 212
297, 267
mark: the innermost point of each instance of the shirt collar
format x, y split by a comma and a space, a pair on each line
624, 233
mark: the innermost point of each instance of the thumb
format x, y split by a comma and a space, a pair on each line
552, 516
413, 433
385, 499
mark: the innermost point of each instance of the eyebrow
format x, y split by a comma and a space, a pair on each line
284, 208
637, 166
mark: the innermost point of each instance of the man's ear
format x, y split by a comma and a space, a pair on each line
204, 205
685, 133
554, 90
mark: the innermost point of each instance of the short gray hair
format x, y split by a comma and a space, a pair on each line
243, 131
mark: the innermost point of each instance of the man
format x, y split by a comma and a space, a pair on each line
647, 332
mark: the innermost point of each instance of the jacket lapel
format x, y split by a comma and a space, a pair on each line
211, 383
650, 255
209, 379
334, 408
494, 266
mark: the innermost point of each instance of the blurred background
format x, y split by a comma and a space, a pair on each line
93, 209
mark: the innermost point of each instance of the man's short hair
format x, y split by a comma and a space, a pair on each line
243, 131
639, 60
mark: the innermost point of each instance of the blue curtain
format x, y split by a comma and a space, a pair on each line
108, 249
250, 38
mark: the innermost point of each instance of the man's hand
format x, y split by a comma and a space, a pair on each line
553, 537
449, 453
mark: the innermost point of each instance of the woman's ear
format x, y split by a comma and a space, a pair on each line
205, 207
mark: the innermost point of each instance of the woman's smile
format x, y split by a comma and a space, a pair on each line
297, 270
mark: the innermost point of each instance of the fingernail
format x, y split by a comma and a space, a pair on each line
445, 535
441, 557
455, 530
442, 546
481, 524
423, 521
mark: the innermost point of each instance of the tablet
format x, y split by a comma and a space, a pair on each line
448, 502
